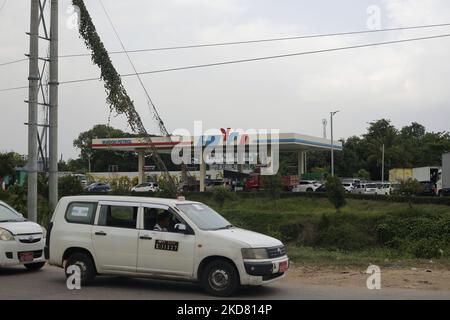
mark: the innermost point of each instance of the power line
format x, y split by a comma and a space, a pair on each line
252, 41
267, 40
214, 64
12, 62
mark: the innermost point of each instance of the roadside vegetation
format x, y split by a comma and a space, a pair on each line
361, 232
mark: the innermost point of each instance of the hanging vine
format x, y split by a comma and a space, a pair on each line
117, 96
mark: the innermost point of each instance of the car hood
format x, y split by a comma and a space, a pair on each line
253, 239
18, 228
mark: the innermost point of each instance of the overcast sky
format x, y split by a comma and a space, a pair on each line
403, 82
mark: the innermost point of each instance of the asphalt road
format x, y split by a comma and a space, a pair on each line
50, 283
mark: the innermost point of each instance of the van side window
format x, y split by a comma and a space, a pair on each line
118, 216
81, 212
152, 216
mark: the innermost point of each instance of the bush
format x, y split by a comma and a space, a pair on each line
336, 192
69, 186
222, 194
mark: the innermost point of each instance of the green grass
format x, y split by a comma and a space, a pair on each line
365, 231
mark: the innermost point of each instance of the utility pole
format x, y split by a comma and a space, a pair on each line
53, 107
33, 81
382, 164
332, 114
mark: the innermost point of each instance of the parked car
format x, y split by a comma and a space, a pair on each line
21, 242
359, 189
371, 188
146, 187
99, 187
348, 186
161, 238
427, 189
321, 189
306, 186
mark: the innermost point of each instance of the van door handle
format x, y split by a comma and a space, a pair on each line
101, 233
145, 238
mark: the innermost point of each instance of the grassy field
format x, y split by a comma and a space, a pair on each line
364, 232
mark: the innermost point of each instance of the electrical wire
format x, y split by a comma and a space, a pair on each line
205, 45
254, 59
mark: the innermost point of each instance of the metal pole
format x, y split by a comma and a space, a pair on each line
332, 144
382, 165
332, 141
53, 102
33, 81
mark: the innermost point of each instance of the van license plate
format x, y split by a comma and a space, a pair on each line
26, 256
283, 266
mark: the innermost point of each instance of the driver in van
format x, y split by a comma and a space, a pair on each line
163, 222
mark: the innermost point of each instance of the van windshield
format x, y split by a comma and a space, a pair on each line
8, 215
204, 217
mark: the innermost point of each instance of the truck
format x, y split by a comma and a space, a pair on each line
254, 181
443, 183
426, 174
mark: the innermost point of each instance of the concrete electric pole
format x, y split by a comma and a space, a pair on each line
53, 107
37, 87
33, 80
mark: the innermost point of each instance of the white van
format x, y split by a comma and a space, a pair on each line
161, 238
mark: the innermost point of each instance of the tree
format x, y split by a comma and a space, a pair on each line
336, 192
102, 159
8, 162
409, 189
363, 174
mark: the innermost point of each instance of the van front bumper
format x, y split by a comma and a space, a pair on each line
264, 272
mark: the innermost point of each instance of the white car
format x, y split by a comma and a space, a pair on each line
146, 187
161, 238
306, 186
21, 242
348, 187
378, 188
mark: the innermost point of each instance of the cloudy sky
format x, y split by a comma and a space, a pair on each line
403, 82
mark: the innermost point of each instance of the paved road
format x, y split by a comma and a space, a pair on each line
49, 283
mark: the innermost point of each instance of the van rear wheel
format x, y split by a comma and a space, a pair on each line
220, 278
85, 266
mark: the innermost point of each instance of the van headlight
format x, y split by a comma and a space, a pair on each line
5, 235
254, 254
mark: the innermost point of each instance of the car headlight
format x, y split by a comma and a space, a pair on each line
44, 232
5, 235
253, 254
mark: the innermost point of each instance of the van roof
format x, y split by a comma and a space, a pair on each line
170, 202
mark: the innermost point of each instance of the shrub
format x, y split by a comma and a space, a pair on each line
222, 194
336, 192
69, 186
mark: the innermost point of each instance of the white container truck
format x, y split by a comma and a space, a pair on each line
443, 184
426, 174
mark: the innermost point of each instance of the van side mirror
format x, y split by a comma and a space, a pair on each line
180, 227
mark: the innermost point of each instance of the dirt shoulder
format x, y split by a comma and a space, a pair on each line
419, 278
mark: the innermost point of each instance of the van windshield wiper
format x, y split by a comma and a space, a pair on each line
226, 227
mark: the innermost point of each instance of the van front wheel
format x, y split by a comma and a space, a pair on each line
220, 278
84, 264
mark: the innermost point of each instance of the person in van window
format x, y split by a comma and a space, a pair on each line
163, 222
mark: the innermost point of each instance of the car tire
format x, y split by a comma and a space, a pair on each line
309, 190
220, 278
86, 265
34, 266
